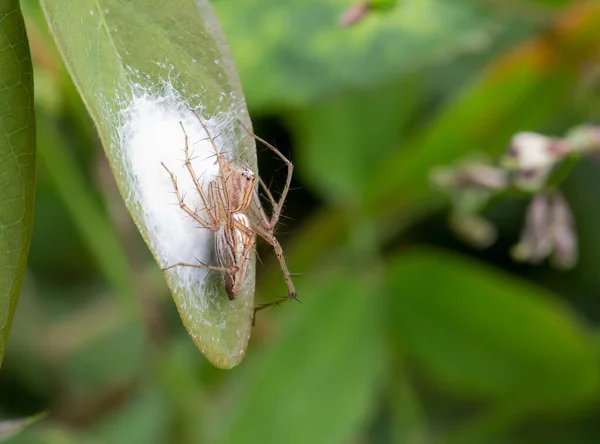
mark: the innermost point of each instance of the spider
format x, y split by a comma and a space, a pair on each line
227, 203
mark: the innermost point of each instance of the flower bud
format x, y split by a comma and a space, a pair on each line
532, 156
565, 238
469, 175
549, 231
354, 14
584, 139
474, 230
536, 240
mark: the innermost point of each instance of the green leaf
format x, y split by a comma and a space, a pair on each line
482, 333
48, 433
342, 140
144, 419
140, 68
190, 404
408, 422
91, 222
10, 428
322, 370
17, 160
294, 52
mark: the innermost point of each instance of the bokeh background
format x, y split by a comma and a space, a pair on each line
404, 334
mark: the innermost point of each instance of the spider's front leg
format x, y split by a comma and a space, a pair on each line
185, 208
212, 226
208, 205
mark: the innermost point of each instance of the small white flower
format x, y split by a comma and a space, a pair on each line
549, 232
532, 151
472, 174
533, 156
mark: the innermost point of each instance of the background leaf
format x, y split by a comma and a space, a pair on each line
483, 333
17, 147
353, 132
10, 428
325, 352
309, 56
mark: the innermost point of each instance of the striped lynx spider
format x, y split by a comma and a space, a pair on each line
227, 202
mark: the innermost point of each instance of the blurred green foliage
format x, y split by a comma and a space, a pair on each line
404, 335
